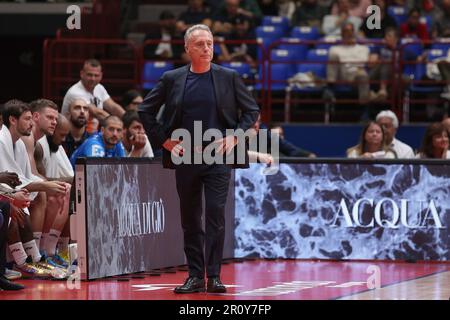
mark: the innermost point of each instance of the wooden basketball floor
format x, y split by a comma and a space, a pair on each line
263, 280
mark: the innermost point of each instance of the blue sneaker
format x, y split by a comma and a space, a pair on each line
60, 261
52, 262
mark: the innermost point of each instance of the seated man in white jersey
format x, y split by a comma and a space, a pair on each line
13, 157
89, 89
45, 119
52, 162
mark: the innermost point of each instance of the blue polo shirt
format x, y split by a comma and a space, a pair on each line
95, 147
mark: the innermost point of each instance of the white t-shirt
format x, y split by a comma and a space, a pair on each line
329, 24
56, 164
402, 149
376, 155
147, 151
419, 155
78, 91
348, 55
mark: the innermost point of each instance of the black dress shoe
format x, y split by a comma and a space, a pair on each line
5, 284
191, 285
215, 286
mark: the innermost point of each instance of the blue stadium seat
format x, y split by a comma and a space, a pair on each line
285, 70
279, 74
442, 43
328, 42
420, 71
293, 44
318, 69
153, 70
305, 33
282, 55
242, 68
266, 35
276, 21
400, 14
375, 45
415, 49
269, 32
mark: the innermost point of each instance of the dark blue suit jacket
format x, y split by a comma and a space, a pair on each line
236, 107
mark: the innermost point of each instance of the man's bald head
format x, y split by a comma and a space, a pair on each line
61, 131
63, 122
78, 113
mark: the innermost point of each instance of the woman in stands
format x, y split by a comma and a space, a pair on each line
372, 144
435, 143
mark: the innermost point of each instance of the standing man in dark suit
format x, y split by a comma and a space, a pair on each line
200, 91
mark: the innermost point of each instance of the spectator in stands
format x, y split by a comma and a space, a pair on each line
78, 115
348, 62
268, 7
90, 90
132, 99
389, 121
333, 23
286, 148
225, 20
196, 13
435, 143
286, 8
441, 21
310, 14
413, 27
444, 70
244, 52
166, 32
213, 5
357, 8
372, 144
386, 22
135, 140
105, 144
381, 62
280, 8
251, 10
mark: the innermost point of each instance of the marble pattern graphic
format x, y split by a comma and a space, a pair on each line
109, 188
297, 212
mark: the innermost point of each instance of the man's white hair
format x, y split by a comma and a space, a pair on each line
388, 114
191, 30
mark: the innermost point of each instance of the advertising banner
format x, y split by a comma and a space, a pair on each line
382, 211
132, 218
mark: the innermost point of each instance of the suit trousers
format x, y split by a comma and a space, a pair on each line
4, 211
203, 246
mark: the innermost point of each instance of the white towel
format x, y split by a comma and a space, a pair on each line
56, 164
14, 158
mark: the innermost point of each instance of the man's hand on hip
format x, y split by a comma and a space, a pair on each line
226, 144
174, 146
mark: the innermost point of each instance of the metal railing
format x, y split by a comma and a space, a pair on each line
124, 61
